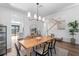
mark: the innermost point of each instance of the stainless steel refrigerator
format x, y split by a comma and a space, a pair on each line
3, 40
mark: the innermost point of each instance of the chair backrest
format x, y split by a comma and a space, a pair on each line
53, 42
17, 49
45, 48
18, 42
20, 39
52, 35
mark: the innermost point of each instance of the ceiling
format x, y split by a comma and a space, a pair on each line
45, 9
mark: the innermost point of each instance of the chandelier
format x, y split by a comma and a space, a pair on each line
36, 16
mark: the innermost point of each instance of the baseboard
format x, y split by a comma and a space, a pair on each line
69, 43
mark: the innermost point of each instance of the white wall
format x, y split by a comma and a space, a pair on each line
6, 15
36, 24
33, 24
67, 15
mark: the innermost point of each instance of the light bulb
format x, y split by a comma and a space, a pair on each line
29, 14
43, 19
39, 17
35, 16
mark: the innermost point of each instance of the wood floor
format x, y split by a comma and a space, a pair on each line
62, 49
73, 50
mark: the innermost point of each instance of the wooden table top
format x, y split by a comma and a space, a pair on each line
31, 42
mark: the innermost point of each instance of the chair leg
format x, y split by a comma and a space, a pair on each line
36, 54
19, 47
51, 51
30, 53
36, 47
55, 50
33, 48
48, 52
40, 45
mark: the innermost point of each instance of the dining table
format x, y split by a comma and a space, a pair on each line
30, 42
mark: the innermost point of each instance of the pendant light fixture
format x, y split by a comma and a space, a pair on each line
36, 16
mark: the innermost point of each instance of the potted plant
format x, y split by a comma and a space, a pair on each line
73, 29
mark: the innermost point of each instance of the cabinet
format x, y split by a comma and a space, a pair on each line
3, 40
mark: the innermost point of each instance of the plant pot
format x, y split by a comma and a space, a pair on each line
72, 41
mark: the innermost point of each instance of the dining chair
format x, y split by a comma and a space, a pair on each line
19, 43
19, 52
51, 46
42, 51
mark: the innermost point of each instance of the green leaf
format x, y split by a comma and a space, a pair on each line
73, 27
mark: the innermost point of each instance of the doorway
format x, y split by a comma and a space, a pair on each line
15, 30
14, 33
